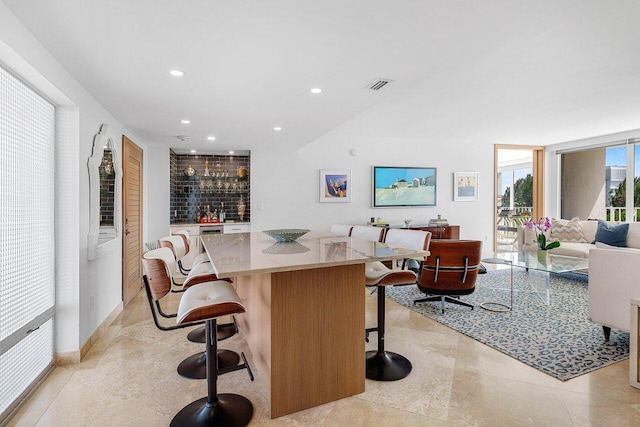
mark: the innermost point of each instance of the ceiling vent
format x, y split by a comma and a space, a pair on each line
378, 84
183, 138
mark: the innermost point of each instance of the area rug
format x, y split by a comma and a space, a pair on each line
557, 339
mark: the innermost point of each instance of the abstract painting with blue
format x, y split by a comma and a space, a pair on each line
336, 185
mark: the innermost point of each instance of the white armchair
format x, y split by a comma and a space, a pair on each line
613, 281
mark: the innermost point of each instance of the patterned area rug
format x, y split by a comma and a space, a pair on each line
557, 339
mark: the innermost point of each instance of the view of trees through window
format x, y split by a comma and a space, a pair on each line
523, 192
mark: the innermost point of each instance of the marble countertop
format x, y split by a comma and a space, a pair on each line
252, 253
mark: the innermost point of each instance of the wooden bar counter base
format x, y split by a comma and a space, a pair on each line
305, 306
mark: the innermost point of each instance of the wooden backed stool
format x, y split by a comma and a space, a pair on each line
208, 301
382, 365
157, 283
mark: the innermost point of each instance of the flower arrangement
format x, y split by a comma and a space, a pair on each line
540, 227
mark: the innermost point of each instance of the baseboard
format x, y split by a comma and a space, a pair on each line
72, 357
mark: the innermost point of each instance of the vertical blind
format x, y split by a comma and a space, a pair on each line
27, 230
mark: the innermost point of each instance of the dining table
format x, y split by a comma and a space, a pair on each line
305, 310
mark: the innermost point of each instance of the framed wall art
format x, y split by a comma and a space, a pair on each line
465, 186
335, 186
398, 186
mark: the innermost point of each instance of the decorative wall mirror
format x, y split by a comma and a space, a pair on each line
105, 181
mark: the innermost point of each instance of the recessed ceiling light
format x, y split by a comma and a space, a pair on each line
230, 152
211, 138
185, 122
176, 73
193, 151
277, 128
316, 90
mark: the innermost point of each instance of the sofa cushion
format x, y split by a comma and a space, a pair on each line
563, 230
601, 245
574, 249
614, 235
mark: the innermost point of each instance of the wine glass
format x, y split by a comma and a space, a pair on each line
407, 222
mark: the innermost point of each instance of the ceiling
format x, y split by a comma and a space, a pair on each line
538, 71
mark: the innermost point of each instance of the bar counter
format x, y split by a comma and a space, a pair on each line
304, 319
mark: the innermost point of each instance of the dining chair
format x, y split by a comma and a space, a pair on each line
373, 234
341, 229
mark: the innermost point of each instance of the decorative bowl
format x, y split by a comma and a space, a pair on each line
287, 234
286, 248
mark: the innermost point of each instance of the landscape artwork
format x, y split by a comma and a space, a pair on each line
335, 186
395, 186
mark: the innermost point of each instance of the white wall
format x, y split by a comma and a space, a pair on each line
78, 280
285, 186
158, 195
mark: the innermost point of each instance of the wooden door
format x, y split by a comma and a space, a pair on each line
132, 219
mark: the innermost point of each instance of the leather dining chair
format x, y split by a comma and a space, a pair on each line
450, 271
382, 365
373, 234
341, 229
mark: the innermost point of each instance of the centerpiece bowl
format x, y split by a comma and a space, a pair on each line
286, 234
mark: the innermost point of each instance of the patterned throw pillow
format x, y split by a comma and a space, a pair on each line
563, 230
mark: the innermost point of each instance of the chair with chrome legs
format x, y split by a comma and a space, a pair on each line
382, 365
208, 301
157, 282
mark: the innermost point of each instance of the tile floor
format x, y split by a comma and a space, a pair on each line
129, 379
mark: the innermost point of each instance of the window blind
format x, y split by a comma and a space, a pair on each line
27, 232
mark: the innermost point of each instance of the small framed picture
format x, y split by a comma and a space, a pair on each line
465, 186
335, 186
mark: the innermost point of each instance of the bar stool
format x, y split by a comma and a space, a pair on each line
208, 301
157, 282
203, 257
382, 365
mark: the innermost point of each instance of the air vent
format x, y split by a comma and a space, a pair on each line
183, 138
378, 84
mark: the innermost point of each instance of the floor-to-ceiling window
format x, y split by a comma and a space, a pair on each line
595, 182
27, 231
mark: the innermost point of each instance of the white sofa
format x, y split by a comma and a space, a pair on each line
614, 273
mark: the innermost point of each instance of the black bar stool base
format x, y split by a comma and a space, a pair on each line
224, 331
230, 410
195, 367
386, 366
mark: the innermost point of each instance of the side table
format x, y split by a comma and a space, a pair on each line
498, 306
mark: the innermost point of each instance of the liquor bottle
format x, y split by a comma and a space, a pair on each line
223, 214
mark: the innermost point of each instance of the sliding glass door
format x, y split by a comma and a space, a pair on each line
519, 191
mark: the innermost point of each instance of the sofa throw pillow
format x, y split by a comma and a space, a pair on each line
613, 235
567, 230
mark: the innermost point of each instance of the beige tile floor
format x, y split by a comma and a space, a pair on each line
129, 379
